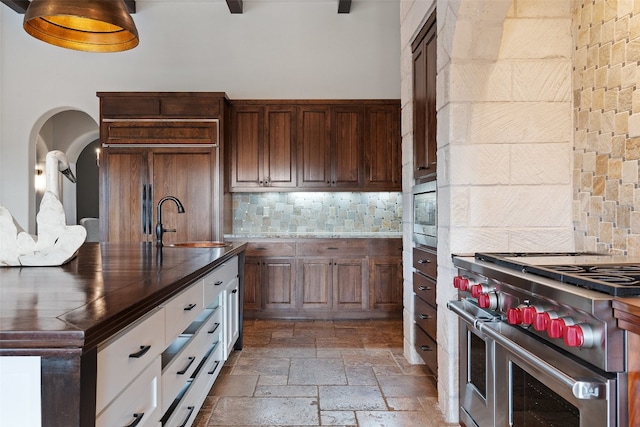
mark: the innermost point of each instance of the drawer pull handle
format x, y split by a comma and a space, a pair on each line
218, 283
425, 316
186, 368
423, 261
190, 408
424, 288
425, 348
234, 291
331, 248
211, 372
214, 328
261, 249
137, 417
422, 168
190, 307
139, 354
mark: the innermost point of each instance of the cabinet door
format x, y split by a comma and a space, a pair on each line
246, 147
188, 174
314, 154
252, 279
383, 149
125, 206
314, 279
349, 281
279, 147
278, 280
346, 149
424, 107
385, 283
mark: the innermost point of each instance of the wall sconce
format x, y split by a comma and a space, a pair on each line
88, 25
98, 157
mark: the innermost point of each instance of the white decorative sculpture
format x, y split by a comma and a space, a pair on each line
56, 242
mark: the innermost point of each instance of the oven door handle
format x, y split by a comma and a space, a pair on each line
585, 389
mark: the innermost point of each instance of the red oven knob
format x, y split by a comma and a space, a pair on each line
514, 316
460, 282
528, 315
541, 321
478, 289
555, 328
574, 336
488, 300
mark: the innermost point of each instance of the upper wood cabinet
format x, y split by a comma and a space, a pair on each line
424, 101
262, 147
338, 145
161, 117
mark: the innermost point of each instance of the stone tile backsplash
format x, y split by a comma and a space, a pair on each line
316, 212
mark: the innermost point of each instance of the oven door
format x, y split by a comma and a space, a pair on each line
476, 369
540, 386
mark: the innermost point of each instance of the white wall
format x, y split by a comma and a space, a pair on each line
275, 49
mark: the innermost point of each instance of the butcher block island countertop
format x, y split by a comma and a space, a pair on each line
62, 314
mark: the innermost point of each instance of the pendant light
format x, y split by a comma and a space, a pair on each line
87, 25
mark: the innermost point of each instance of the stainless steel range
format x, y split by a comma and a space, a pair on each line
539, 345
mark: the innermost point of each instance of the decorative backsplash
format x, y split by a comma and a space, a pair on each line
317, 212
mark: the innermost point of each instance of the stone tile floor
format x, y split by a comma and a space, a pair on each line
322, 373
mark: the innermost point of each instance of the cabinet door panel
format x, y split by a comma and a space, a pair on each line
349, 280
246, 146
279, 276
252, 288
347, 154
186, 175
314, 168
383, 148
385, 283
314, 279
279, 157
122, 209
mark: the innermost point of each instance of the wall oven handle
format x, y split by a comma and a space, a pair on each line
585, 389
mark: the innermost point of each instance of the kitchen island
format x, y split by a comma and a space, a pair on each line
64, 315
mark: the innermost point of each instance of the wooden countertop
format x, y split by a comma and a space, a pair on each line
106, 287
627, 311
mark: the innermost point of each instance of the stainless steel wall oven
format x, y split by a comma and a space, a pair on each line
425, 212
538, 351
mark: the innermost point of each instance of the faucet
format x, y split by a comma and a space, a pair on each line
159, 228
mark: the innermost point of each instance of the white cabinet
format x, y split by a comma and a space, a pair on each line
159, 370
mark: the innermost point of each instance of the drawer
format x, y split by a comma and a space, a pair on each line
182, 357
427, 349
425, 262
333, 247
122, 358
183, 309
424, 288
278, 249
214, 282
426, 317
385, 247
138, 401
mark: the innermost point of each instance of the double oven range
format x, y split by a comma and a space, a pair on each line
539, 345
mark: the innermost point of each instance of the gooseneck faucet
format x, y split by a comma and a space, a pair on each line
160, 230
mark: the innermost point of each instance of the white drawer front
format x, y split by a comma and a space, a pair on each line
138, 401
122, 358
215, 282
189, 354
182, 310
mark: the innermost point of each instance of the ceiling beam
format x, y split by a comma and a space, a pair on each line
235, 6
21, 6
344, 6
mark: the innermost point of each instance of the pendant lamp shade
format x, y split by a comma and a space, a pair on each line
87, 25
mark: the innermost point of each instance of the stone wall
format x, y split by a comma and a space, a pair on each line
607, 126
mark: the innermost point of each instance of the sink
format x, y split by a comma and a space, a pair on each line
201, 244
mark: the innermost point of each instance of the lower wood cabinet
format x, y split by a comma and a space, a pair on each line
324, 279
159, 370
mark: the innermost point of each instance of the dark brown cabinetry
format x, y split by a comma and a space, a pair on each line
424, 101
425, 264
262, 149
337, 145
324, 279
156, 144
